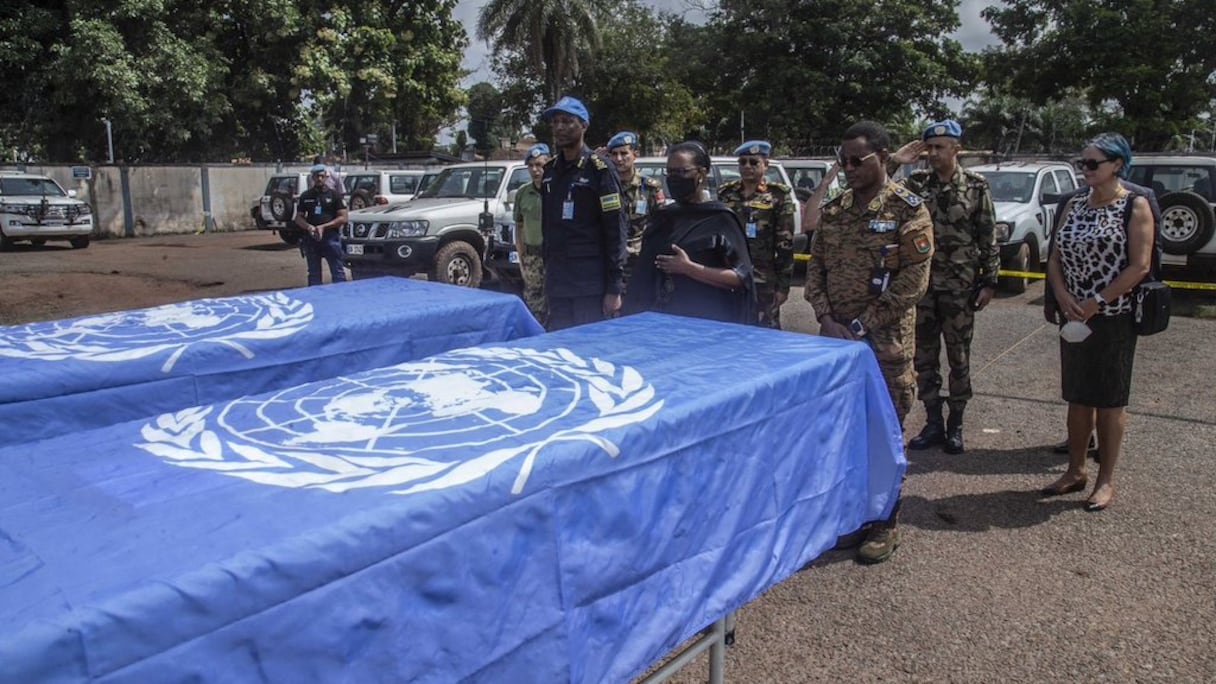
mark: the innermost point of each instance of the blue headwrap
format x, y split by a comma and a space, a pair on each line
1114, 146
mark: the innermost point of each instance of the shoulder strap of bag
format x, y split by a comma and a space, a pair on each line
1154, 267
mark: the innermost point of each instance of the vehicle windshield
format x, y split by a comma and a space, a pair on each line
31, 187
1011, 186
470, 181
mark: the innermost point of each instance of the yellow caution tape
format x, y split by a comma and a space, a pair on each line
1177, 284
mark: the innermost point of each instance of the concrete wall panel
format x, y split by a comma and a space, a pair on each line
234, 190
166, 199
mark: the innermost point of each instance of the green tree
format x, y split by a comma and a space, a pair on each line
550, 34
485, 116
1155, 60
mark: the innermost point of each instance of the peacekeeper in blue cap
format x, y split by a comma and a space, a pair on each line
639, 195
528, 237
766, 211
962, 278
583, 225
321, 213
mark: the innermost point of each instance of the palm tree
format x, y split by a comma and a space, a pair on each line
549, 33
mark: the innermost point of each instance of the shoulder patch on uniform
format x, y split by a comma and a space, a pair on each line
975, 179
780, 186
599, 162
907, 195
922, 243
611, 202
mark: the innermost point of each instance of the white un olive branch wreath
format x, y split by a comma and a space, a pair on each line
283, 316
620, 396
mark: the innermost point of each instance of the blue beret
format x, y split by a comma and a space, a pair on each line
568, 105
943, 129
623, 138
318, 168
759, 147
536, 150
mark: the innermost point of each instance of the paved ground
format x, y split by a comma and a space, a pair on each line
992, 582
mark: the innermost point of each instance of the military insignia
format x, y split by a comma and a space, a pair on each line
610, 202
906, 195
629, 140
939, 130
599, 163
754, 149
922, 244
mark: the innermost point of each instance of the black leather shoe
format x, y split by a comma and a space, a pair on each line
933, 434
954, 441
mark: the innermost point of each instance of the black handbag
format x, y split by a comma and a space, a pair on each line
1151, 307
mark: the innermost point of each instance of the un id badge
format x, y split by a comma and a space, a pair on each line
640, 206
751, 229
568, 209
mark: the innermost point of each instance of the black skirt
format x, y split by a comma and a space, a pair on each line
1098, 371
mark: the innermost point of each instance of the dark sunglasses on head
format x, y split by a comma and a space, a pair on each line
853, 162
749, 161
1090, 164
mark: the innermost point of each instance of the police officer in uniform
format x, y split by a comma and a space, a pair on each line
639, 195
766, 211
582, 223
869, 267
527, 214
321, 213
966, 259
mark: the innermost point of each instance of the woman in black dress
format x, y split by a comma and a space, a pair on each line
694, 259
1104, 247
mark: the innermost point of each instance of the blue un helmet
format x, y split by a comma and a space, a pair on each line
568, 105
949, 128
757, 147
537, 150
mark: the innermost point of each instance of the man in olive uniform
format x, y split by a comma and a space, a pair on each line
966, 259
766, 211
528, 233
870, 259
583, 227
639, 195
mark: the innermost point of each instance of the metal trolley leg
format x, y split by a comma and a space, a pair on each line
714, 638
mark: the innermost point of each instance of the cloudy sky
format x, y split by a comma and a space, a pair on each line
974, 33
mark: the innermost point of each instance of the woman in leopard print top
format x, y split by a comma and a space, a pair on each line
1102, 253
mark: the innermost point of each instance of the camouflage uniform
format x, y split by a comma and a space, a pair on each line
531, 265
630, 193
894, 232
771, 242
965, 254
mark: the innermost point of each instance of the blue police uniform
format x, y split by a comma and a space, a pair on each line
583, 231
320, 207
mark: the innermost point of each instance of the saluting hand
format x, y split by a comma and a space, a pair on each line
908, 154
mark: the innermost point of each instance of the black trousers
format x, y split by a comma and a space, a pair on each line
567, 312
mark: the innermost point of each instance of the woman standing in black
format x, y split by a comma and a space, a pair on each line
694, 259
1103, 251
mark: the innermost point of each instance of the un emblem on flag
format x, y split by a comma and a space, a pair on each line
164, 330
432, 424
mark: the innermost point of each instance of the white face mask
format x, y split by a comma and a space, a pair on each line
1075, 331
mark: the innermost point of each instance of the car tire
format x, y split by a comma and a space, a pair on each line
79, 242
359, 199
1186, 222
1025, 260
290, 237
281, 206
457, 263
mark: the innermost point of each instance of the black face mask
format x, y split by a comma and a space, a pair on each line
682, 189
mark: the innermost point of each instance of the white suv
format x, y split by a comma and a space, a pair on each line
1025, 195
365, 188
36, 208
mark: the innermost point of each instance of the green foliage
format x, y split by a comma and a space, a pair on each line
190, 81
1145, 66
485, 116
552, 36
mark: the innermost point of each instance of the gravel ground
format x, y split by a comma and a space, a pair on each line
992, 583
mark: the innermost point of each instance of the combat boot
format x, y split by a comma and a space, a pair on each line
954, 430
934, 432
880, 543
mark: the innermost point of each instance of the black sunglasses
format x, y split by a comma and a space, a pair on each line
749, 161
853, 162
1090, 164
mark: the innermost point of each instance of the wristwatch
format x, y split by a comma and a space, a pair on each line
857, 328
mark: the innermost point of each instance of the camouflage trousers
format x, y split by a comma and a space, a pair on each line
767, 307
532, 270
944, 315
894, 347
